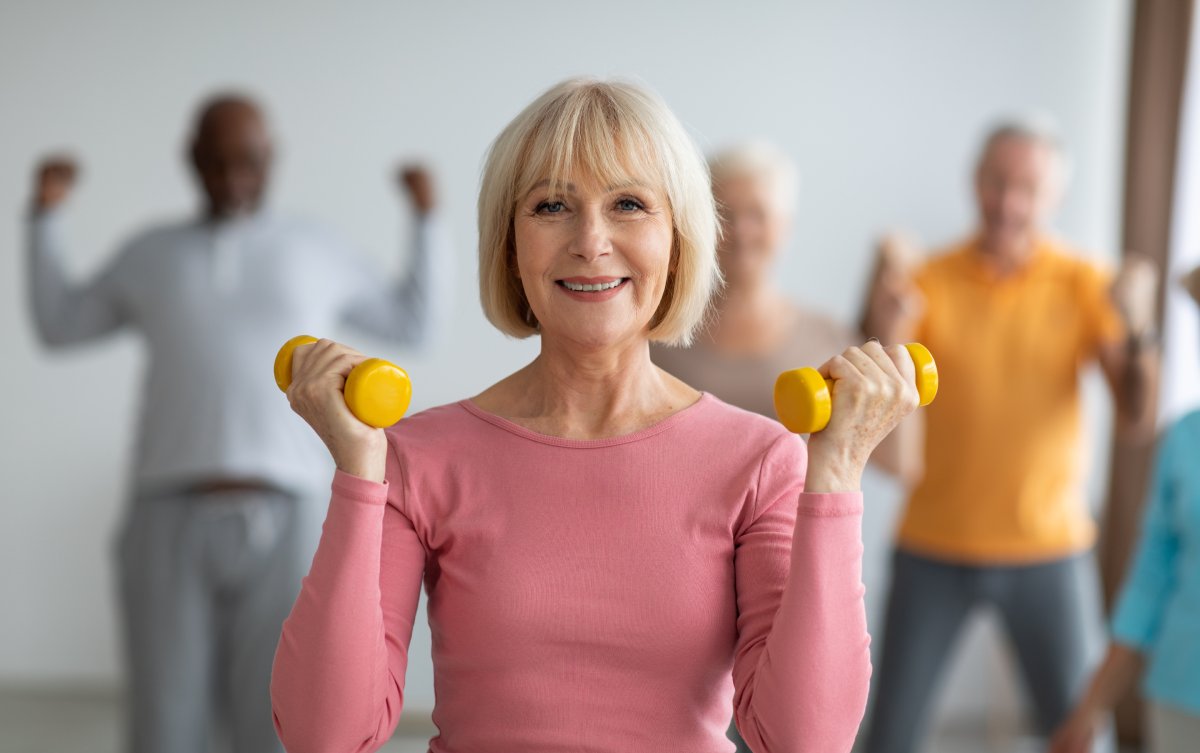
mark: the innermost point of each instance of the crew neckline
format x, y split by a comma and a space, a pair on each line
549, 439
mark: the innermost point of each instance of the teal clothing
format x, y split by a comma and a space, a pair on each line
1158, 611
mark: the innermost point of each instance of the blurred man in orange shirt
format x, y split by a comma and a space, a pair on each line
1013, 317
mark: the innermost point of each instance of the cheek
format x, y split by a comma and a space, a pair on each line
530, 256
658, 255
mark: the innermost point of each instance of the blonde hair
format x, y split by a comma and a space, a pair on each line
762, 161
613, 131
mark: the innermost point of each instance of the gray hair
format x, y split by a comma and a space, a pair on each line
1037, 128
764, 161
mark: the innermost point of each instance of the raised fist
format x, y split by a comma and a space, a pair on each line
1135, 292
53, 180
417, 182
892, 299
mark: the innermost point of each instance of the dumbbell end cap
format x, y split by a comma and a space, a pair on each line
927, 372
378, 392
802, 400
283, 360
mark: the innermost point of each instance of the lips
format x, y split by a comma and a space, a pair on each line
591, 284
592, 288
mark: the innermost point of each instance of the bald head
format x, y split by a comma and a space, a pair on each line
231, 151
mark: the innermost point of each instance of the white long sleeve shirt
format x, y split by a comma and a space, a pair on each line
213, 302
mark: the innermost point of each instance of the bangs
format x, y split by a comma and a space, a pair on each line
589, 134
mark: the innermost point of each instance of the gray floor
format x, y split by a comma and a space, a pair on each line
89, 722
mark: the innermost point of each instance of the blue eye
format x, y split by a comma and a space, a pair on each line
550, 207
629, 205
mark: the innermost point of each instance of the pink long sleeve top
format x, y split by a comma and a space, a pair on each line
593, 596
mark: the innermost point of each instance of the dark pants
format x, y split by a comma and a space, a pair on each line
1042, 607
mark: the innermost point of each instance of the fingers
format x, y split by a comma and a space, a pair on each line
322, 364
875, 371
898, 251
54, 177
58, 165
418, 182
902, 361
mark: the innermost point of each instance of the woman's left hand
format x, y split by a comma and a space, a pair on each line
874, 388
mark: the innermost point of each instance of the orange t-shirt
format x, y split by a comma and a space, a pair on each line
1003, 457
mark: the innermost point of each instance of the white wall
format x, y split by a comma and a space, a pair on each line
881, 103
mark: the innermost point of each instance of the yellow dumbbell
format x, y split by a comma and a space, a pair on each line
803, 400
377, 391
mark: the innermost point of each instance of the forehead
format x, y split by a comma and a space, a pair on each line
1026, 154
745, 184
232, 124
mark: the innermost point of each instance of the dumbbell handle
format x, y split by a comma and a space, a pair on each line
377, 392
804, 400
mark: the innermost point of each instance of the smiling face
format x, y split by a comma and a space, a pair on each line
594, 259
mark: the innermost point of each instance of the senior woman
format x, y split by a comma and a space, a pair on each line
612, 558
757, 330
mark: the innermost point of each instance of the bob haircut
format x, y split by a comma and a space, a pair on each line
615, 132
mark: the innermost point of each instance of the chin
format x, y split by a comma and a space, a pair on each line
598, 338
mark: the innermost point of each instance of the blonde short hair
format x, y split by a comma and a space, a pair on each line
613, 131
762, 161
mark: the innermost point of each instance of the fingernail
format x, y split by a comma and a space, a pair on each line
872, 339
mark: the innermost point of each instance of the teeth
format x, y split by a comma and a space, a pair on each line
583, 288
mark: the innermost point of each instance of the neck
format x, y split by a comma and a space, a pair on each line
1007, 257
216, 216
749, 317
582, 393
745, 290
753, 298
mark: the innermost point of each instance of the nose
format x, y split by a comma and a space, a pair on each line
592, 239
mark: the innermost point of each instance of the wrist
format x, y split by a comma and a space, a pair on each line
831, 471
1136, 342
367, 460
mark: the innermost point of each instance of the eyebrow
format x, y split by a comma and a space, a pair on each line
570, 187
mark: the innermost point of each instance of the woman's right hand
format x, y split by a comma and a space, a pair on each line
319, 372
1078, 732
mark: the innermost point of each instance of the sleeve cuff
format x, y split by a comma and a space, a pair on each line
1131, 621
357, 489
831, 504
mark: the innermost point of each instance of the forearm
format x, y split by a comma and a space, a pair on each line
331, 688
888, 330
809, 688
415, 309
1117, 676
62, 314
1139, 375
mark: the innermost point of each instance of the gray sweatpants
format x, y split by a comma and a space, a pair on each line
205, 583
1043, 611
